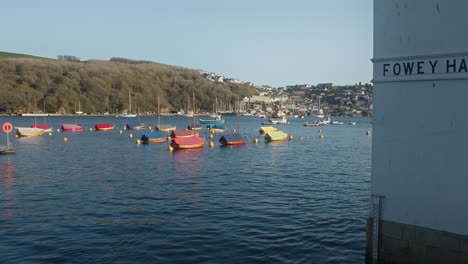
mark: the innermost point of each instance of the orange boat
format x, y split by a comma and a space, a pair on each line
104, 127
188, 142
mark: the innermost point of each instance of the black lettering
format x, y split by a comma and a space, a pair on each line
433, 64
451, 66
408, 68
462, 66
420, 65
385, 70
395, 70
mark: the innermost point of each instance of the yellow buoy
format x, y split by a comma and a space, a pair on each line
130, 135
50, 134
65, 139
120, 131
211, 144
125, 127
58, 130
320, 136
137, 141
367, 132
168, 138
233, 130
150, 128
320, 130
290, 137
255, 140
90, 129
212, 131
16, 135
207, 128
170, 148
210, 136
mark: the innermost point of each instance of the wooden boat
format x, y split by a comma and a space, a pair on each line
194, 127
156, 136
29, 131
136, 126
44, 127
104, 127
267, 129
188, 142
276, 136
232, 139
71, 128
217, 128
184, 133
165, 128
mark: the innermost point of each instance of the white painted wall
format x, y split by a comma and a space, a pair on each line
420, 130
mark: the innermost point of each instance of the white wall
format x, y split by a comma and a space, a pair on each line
420, 130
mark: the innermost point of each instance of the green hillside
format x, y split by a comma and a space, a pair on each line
4, 55
103, 86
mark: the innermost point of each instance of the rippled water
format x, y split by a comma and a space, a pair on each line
101, 198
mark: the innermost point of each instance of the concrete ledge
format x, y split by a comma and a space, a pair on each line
400, 243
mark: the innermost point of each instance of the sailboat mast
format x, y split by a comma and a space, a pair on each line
129, 101
159, 114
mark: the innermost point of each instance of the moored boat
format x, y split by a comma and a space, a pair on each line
184, 133
164, 128
232, 139
156, 136
188, 142
217, 120
29, 131
71, 128
216, 128
136, 126
104, 127
194, 127
276, 136
5, 150
44, 127
267, 129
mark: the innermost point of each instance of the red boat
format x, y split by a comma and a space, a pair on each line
71, 128
188, 142
104, 127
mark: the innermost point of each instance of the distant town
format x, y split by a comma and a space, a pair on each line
303, 99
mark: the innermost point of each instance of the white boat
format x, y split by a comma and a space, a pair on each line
79, 112
129, 113
352, 123
337, 123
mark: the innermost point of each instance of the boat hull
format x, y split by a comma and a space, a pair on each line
104, 127
188, 143
276, 136
221, 121
71, 128
29, 132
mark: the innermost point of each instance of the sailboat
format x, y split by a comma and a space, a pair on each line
195, 125
320, 110
217, 118
136, 125
234, 138
79, 112
159, 126
72, 127
44, 127
129, 113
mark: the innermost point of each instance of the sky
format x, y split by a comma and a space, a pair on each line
267, 42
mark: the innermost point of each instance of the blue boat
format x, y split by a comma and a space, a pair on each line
216, 128
156, 136
137, 125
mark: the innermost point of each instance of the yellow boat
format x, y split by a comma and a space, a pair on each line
267, 129
276, 136
29, 131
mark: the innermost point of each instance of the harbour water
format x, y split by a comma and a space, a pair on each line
100, 198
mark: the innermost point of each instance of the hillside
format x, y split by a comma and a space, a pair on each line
103, 86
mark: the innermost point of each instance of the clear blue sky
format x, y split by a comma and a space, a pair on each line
264, 41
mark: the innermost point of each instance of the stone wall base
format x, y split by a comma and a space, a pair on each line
400, 243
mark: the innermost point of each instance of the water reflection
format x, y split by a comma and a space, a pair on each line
188, 166
8, 181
